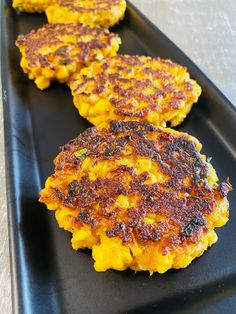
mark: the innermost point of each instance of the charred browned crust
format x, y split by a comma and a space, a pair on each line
101, 5
184, 207
162, 85
52, 35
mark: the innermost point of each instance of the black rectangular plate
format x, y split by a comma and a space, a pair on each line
48, 276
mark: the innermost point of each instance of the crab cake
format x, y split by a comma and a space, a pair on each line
104, 13
32, 6
137, 88
140, 197
55, 51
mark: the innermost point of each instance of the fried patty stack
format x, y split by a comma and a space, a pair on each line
56, 51
137, 88
104, 13
140, 197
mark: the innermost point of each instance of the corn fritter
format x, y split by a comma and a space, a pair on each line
104, 13
32, 6
137, 88
139, 196
56, 51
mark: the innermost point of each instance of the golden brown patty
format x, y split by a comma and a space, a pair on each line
32, 6
134, 88
105, 13
54, 52
138, 196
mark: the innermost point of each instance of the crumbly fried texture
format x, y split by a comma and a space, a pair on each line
140, 197
137, 88
56, 51
104, 13
32, 6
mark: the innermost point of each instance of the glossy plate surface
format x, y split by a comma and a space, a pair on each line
48, 276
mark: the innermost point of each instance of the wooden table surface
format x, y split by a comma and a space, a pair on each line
205, 30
